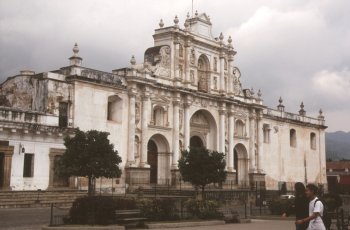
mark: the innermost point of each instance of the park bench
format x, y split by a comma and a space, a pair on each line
130, 218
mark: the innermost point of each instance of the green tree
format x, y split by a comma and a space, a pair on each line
89, 154
201, 167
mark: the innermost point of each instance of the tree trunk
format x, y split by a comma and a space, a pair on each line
91, 187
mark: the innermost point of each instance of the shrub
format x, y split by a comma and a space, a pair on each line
125, 203
332, 201
203, 209
93, 210
158, 209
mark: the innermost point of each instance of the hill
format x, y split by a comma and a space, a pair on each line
338, 145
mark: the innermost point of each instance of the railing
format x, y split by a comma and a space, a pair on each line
29, 117
292, 116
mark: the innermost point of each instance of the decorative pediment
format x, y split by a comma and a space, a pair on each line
161, 100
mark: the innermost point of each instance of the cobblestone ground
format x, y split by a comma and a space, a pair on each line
34, 218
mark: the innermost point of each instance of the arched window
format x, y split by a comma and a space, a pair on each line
293, 138
114, 108
239, 128
203, 73
313, 140
266, 131
158, 116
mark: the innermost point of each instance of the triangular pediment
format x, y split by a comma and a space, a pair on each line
204, 17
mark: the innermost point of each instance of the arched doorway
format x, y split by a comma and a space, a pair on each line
203, 130
158, 157
196, 142
203, 73
241, 165
152, 159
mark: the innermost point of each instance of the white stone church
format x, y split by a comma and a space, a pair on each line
186, 92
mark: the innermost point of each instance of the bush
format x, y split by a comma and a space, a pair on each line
332, 201
93, 210
125, 203
280, 206
158, 209
203, 209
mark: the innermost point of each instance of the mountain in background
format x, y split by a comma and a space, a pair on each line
338, 145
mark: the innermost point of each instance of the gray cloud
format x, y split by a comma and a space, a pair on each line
297, 49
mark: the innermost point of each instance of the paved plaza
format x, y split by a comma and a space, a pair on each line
34, 218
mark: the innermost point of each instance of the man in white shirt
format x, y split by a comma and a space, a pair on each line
315, 210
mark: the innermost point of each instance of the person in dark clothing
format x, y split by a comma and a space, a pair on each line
301, 206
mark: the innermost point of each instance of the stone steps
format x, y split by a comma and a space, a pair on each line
35, 199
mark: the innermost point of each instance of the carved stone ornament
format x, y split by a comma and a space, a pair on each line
237, 86
192, 57
157, 60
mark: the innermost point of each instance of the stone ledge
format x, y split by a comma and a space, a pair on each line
83, 227
184, 224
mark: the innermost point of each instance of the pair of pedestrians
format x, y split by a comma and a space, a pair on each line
308, 208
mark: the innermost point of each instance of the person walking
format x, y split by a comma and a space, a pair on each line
315, 210
301, 206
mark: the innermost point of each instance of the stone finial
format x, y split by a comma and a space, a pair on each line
196, 14
302, 112
280, 107
229, 40
75, 50
221, 37
252, 91
187, 23
75, 59
132, 60
259, 93
320, 115
161, 23
188, 15
176, 21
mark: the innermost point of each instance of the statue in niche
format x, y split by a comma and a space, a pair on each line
137, 113
215, 64
192, 76
215, 83
202, 82
192, 57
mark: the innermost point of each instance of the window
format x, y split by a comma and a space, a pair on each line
114, 108
158, 116
63, 114
266, 132
28, 167
293, 138
313, 140
239, 128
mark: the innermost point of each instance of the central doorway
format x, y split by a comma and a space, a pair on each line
2, 161
196, 142
152, 159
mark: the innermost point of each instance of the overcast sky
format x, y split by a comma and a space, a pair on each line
297, 49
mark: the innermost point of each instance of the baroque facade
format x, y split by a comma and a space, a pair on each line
186, 92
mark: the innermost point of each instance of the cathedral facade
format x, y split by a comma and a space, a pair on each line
186, 92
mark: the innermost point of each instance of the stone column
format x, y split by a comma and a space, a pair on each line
260, 143
252, 125
188, 64
186, 122
176, 59
131, 132
230, 158
222, 74
222, 112
176, 133
229, 75
144, 127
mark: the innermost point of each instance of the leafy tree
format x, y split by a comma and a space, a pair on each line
200, 167
89, 154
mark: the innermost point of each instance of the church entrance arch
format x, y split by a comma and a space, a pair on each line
158, 157
196, 142
203, 131
241, 165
